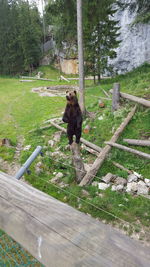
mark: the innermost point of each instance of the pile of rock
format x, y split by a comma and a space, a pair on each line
134, 184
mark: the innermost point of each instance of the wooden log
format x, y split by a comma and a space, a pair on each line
65, 79
121, 167
87, 143
106, 94
66, 87
116, 97
58, 235
77, 162
99, 161
125, 148
137, 142
136, 99
35, 78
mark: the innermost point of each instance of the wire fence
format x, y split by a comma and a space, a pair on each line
12, 254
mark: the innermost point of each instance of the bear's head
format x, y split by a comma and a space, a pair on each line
71, 97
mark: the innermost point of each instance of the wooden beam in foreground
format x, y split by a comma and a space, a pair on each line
58, 235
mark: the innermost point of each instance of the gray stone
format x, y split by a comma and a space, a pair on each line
26, 148
142, 188
120, 181
119, 187
103, 186
147, 182
113, 188
59, 175
95, 183
108, 178
51, 143
57, 136
132, 187
132, 178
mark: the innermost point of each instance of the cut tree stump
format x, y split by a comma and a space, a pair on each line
116, 97
137, 142
77, 162
125, 148
136, 99
99, 161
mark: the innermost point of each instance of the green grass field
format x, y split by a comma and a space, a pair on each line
21, 111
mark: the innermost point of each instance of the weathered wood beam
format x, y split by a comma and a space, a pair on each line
35, 78
99, 161
136, 99
137, 142
65, 79
125, 148
66, 87
58, 235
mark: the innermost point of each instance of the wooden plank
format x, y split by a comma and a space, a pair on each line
35, 78
137, 142
58, 235
128, 149
136, 99
100, 159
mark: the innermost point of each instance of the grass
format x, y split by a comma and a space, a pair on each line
22, 111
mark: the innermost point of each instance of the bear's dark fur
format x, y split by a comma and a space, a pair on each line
73, 117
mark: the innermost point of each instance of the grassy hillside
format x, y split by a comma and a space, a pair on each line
21, 111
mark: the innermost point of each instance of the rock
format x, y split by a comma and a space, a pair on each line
39, 164
85, 193
108, 178
63, 185
86, 129
100, 118
59, 175
55, 180
147, 182
57, 136
51, 143
101, 104
119, 187
120, 181
5, 142
26, 148
38, 170
138, 175
132, 187
95, 183
103, 186
113, 188
142, 188
132, 178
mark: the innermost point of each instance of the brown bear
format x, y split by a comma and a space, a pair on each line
73, 116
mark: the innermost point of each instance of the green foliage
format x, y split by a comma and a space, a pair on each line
21, 32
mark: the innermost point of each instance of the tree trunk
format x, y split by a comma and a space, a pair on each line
99, 161
137, 142
80, 56
134, 151
77, 162
121, 167
116, 97
99, 78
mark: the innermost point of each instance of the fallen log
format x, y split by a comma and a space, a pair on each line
131, 150
99, 161
65, 79
66, 87
137, 142
121, 167
136, 99
35, 78
87, 143
105, 93
116, 97
77, 162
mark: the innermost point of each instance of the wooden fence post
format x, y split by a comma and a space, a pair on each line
116, 97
